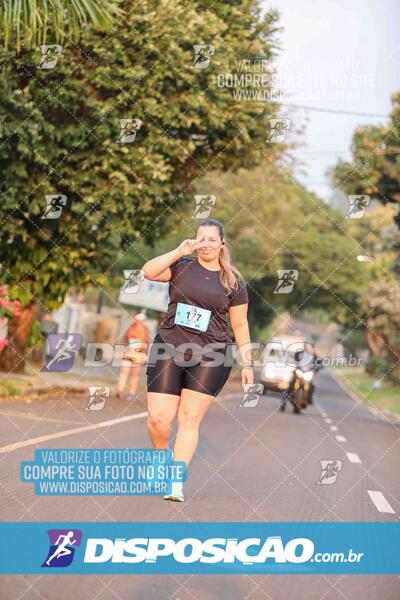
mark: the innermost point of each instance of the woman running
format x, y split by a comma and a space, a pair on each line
201, 291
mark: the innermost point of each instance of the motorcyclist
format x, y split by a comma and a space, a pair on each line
305, 359
287, 393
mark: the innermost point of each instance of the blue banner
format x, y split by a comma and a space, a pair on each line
102, 472
200, 548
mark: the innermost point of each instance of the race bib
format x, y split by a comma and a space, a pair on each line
192, 316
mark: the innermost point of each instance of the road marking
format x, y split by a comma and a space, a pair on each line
354, 458
340, 438
59, 434
328, 420
380, 502
333, 428
36, 418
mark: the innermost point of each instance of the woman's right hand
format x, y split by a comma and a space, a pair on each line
189, 246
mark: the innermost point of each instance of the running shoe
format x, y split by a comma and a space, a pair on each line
176, 493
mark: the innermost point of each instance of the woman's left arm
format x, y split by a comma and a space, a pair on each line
240, 327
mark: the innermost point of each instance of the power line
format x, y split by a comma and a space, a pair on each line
337, 112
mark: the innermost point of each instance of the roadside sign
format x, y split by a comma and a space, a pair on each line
151, 294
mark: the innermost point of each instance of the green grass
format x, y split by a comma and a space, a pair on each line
388, 396
8, 388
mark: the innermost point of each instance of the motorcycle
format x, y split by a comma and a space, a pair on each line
302, 389
299, 391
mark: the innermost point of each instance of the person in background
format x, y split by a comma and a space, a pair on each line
136, 334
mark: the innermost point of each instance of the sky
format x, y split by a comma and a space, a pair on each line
336, 55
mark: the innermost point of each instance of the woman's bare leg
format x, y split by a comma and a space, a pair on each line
134, 379
192, 408
161, 412
123, 376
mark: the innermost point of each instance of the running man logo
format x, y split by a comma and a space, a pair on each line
62, 547
133, 279
329, 471
129, 129
278, 129
204, 204
251, 394
357, 206
202, 55
97, 397
63, 347
55, 205
286, 280
50, 54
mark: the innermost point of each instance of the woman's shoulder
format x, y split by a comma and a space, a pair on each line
180, 261
238, 294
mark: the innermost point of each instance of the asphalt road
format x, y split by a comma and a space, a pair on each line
252, 464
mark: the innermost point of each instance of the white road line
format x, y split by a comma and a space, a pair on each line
333, 428
354, 458
36, 417
59, 434
340, 438
328, 420
380, 502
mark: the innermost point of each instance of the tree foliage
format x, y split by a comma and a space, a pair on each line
28, 24
59, 135
375, 168
271, 222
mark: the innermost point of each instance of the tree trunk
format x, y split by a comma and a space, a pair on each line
13, 356
373, 341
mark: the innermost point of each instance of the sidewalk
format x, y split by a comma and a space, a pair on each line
35, 383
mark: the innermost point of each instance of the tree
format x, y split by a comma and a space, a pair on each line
28, 24
60, 139
271, 222
375, 171
375, 168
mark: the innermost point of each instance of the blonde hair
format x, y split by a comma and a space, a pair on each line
229, 275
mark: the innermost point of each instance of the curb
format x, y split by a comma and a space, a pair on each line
386, 414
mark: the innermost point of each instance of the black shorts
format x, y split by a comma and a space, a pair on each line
167, 376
